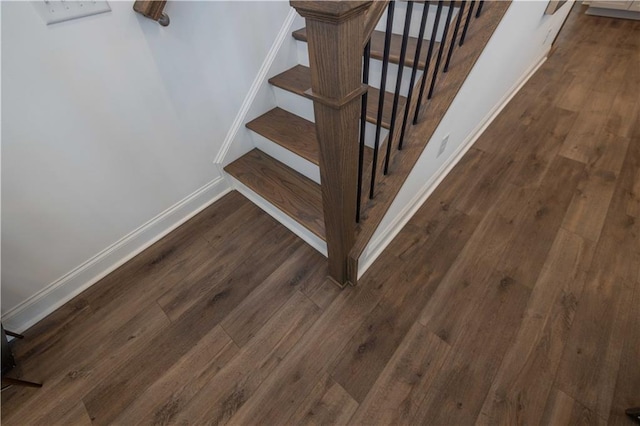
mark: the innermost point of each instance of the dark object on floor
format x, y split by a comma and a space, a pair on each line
634, 413
8, 363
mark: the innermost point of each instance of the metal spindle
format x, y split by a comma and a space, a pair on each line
414, 71
455, 35
440, 51
466, 23
396, 97
432, 41
480, 4
363, 124
383, 84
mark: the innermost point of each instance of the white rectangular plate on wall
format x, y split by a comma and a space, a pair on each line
54, 11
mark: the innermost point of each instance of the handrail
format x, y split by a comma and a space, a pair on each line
152, 9
373, 16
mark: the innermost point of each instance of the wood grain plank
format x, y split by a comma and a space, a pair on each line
219, 400
463, 381
561, 409
327, 404
524, 380
107, 399
401, 386
60, 396
160, 402
446, 313
276, 400
588, 209
591, 360
295, 273
366, 355
219, 266
528, 249
289, 131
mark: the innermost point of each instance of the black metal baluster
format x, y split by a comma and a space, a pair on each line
383, 84
363, 125
414, 71
466, 23
480, 4
432, 42
439, 58
455, 35
396, 96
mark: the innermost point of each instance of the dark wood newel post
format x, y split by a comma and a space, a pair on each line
335, 34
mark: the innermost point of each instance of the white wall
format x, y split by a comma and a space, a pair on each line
520, 42
109, 121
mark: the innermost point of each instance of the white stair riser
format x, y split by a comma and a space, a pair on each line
283, 155
296, 162
400, 14
375, 70
303, 107
375, 77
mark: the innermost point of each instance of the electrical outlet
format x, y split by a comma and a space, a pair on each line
443, 146
54, 11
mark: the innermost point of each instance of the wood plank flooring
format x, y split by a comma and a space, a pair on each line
511, 297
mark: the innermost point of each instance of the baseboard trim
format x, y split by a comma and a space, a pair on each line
377, 246
293, 226
43, 303
255, 87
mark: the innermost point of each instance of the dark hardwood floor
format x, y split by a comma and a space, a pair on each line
511, 297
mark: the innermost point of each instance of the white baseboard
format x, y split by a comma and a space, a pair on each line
375, 247
295, 227
73, 283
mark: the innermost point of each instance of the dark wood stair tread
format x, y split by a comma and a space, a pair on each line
377, 47
293, 193
290, 131
294, 133
298, 80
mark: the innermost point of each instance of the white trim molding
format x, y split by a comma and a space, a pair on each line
94, 269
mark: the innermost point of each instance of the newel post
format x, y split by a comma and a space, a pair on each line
335, 36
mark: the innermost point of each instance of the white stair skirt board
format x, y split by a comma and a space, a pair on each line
289, 158
375, 70
303, 107
93, 270
382, 238
307, 236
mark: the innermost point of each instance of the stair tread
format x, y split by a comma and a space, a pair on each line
377, 47
298, 80
295, 134
290, 131
293, 193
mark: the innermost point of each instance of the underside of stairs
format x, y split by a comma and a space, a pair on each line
288, 179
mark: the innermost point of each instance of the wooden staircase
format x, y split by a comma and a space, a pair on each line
300, 194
